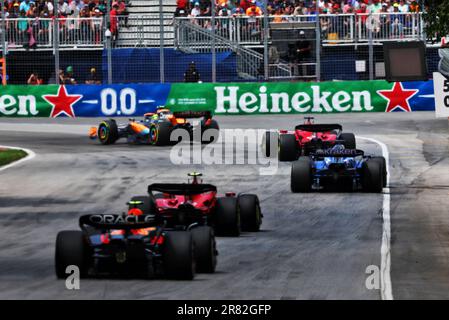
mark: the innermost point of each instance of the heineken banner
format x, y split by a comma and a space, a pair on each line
224, 98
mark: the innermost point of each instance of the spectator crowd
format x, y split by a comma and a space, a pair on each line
28, 21
390, 17
196, 8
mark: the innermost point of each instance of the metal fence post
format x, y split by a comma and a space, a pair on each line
108, 36
161, 48
371, 48
266, 58
214, 53
56, 40
3, 39
318, 43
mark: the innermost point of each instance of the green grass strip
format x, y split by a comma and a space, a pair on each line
8, 156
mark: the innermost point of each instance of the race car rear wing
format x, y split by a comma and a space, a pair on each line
181, 188
319, 127
338, 153
117, 222
192, 114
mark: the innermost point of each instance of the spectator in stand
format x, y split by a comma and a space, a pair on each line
25, 6
92, 78
114, 23
35, 79
69, 78
123, 13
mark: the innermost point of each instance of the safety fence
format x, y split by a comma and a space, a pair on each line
160, 48
226, 99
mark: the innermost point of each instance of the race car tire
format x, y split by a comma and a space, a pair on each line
178, 255
160, 133
227, 217
71, 250
147, 206
204, 249
349, 140
267, 140
372, 177
108, 132
250, 213
288, 147
212, 135
383, 164
301, 175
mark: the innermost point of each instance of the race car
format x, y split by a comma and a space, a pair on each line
228, 214
126, 245
306, 138
156, 128
339, 166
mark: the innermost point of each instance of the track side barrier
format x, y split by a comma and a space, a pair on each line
219, 98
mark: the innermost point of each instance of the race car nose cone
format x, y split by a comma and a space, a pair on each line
145, 132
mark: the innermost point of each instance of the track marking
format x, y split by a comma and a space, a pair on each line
30, 156
386, 289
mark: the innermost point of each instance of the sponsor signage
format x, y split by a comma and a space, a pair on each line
54, 101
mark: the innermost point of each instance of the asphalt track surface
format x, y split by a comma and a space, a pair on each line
314, 246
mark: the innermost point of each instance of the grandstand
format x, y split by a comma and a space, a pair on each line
144, 24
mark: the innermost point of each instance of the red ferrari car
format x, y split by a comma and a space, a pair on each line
185, 204
307, 138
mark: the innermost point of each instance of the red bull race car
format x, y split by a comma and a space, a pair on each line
156, 128
228, 214
130, 245
306, 138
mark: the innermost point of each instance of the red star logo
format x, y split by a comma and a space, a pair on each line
398, 97
62, 103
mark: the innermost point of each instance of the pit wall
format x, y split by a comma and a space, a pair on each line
220, 98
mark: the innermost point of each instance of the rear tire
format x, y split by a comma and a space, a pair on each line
383, 164
179, 262
349, 140
160, 133
71, 249
227, 217
108, 132
204, 249
372, 177
212, 135
251, 216
301, 175
288, 147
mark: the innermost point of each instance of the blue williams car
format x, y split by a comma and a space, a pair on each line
339, 166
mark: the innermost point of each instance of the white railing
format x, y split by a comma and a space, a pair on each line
39, 32
335, 28
246, 31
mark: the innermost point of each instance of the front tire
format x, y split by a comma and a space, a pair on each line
349, 140
250, 213
301, 175
160, 133
71, 250
178, 255
108, 132
227, 217
204, 249
288, 147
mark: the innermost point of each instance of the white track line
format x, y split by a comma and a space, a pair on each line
30, 156
385, 250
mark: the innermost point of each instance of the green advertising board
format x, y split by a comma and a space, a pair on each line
300, 97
